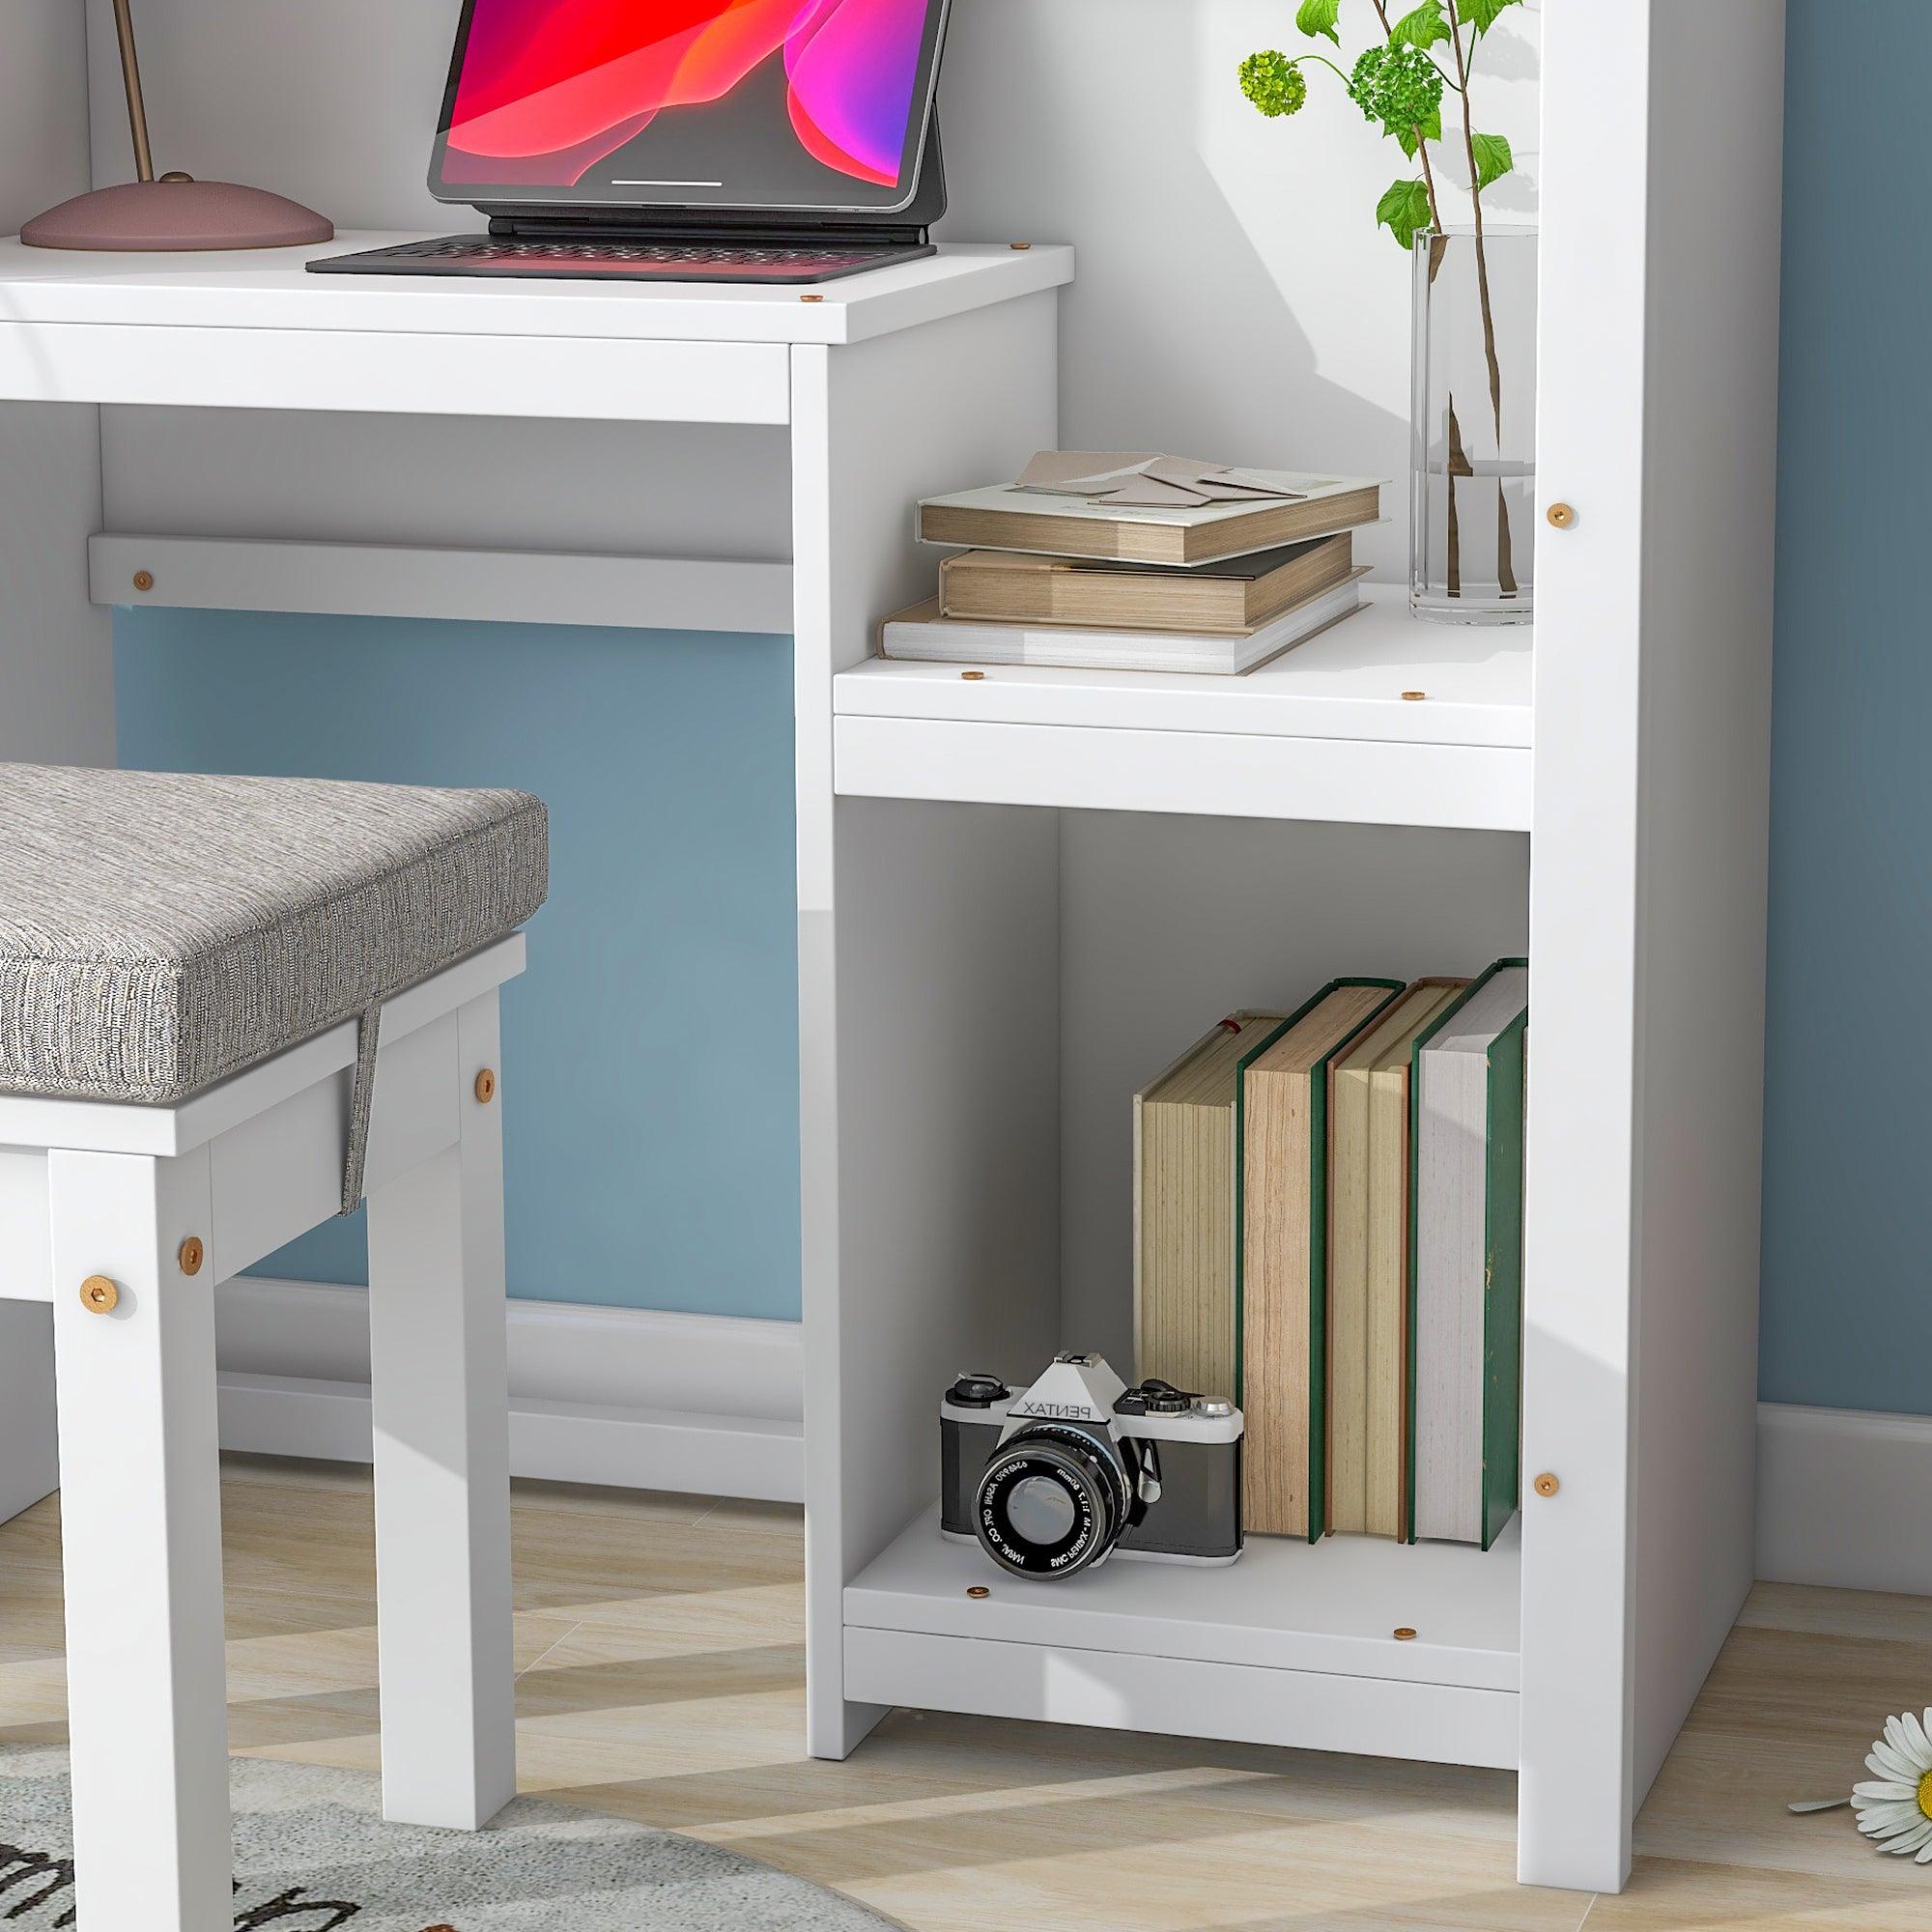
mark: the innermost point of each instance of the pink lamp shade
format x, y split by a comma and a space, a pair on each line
174, 213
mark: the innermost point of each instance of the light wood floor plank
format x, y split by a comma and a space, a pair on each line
659, 1642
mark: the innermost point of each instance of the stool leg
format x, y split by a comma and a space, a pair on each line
439, 1382
141, 1545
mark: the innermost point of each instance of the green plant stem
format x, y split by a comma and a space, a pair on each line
1505, 565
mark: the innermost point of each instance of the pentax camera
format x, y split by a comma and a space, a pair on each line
1052, 1480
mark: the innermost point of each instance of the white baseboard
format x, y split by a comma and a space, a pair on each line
711, 1405
632, 1398
1844, 1497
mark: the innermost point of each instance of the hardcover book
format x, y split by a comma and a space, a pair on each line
921, 635
1465, 1274
1282, 1145
1184, 1210
1368, 1252
1006, 517
1232, 599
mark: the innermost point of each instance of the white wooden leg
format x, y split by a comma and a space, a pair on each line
141, 1528
441, 1389
28, 1470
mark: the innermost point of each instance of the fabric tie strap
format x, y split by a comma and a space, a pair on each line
368, 1026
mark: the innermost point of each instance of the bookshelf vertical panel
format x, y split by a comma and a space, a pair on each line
1657, 412
1709, 484
927, 994
1573, 1792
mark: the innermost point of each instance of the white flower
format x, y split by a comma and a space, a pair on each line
1895, 1810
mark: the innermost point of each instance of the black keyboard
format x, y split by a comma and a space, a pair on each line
612, 260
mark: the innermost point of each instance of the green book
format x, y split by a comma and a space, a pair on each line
1281, 1273
1465, 1340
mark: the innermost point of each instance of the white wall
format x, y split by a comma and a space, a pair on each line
56, 657
1236, 299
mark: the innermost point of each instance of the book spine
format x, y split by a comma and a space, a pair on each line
1503, 1281
1316, 1419
1421, 1041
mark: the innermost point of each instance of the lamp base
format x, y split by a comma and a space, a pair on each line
177, 214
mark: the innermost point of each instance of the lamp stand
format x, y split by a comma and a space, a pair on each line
177, 211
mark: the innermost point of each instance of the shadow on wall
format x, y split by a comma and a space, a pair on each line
1235, 299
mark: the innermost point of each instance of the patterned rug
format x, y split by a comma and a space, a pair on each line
313, 1855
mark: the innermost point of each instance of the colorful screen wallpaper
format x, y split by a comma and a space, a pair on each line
551, 87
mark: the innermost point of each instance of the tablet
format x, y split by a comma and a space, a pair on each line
804, 105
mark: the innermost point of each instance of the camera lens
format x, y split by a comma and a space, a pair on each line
1040, 1511
1052, 1502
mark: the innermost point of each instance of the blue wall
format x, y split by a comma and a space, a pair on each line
651, 1050
1848, 1143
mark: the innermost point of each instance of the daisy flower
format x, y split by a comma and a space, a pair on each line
1895, 1811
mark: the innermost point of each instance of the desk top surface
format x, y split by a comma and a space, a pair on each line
270, 289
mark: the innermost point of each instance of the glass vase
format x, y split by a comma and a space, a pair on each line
1472, 426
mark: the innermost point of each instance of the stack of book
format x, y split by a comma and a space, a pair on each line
1111, 562
1328, 1223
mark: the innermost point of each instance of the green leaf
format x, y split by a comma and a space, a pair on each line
1402, 209
1482, 14
1423, 27
1316, 17
1431, 131
1493, 159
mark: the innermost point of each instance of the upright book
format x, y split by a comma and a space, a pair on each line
1184, 1211
1368, 1251
1282, 1149
1467, 1102
1006, 516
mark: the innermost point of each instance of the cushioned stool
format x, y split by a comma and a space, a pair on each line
229, 1007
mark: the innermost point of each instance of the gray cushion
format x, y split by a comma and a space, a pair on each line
161, 931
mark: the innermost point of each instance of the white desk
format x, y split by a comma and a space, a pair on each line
689, 457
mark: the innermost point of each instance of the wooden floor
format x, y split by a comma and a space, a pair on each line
659, 1642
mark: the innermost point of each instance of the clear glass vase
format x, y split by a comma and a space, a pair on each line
1472, 426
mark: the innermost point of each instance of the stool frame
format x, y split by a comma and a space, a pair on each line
100, 1189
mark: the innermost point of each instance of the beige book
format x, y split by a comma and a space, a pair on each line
1368, 1207
1006, 517
1233, 598
1184, 1210
1282, 1109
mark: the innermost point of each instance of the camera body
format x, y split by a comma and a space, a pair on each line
1054, 1479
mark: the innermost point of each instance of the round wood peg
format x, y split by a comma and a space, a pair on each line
190, 1255
1546, 1485
811, 298
144, 579
978, 1590
1403, 1634
98, 1295
1413, 696
1561, 516
972, 676
486, 1085
1019, 247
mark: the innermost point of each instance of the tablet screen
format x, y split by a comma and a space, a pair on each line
738, 103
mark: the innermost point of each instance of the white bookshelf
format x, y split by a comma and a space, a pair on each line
1020, 894
1046, 883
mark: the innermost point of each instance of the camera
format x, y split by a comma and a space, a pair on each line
1054, 1479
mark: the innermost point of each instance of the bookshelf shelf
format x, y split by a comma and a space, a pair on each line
1293, 1645
1322, 732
